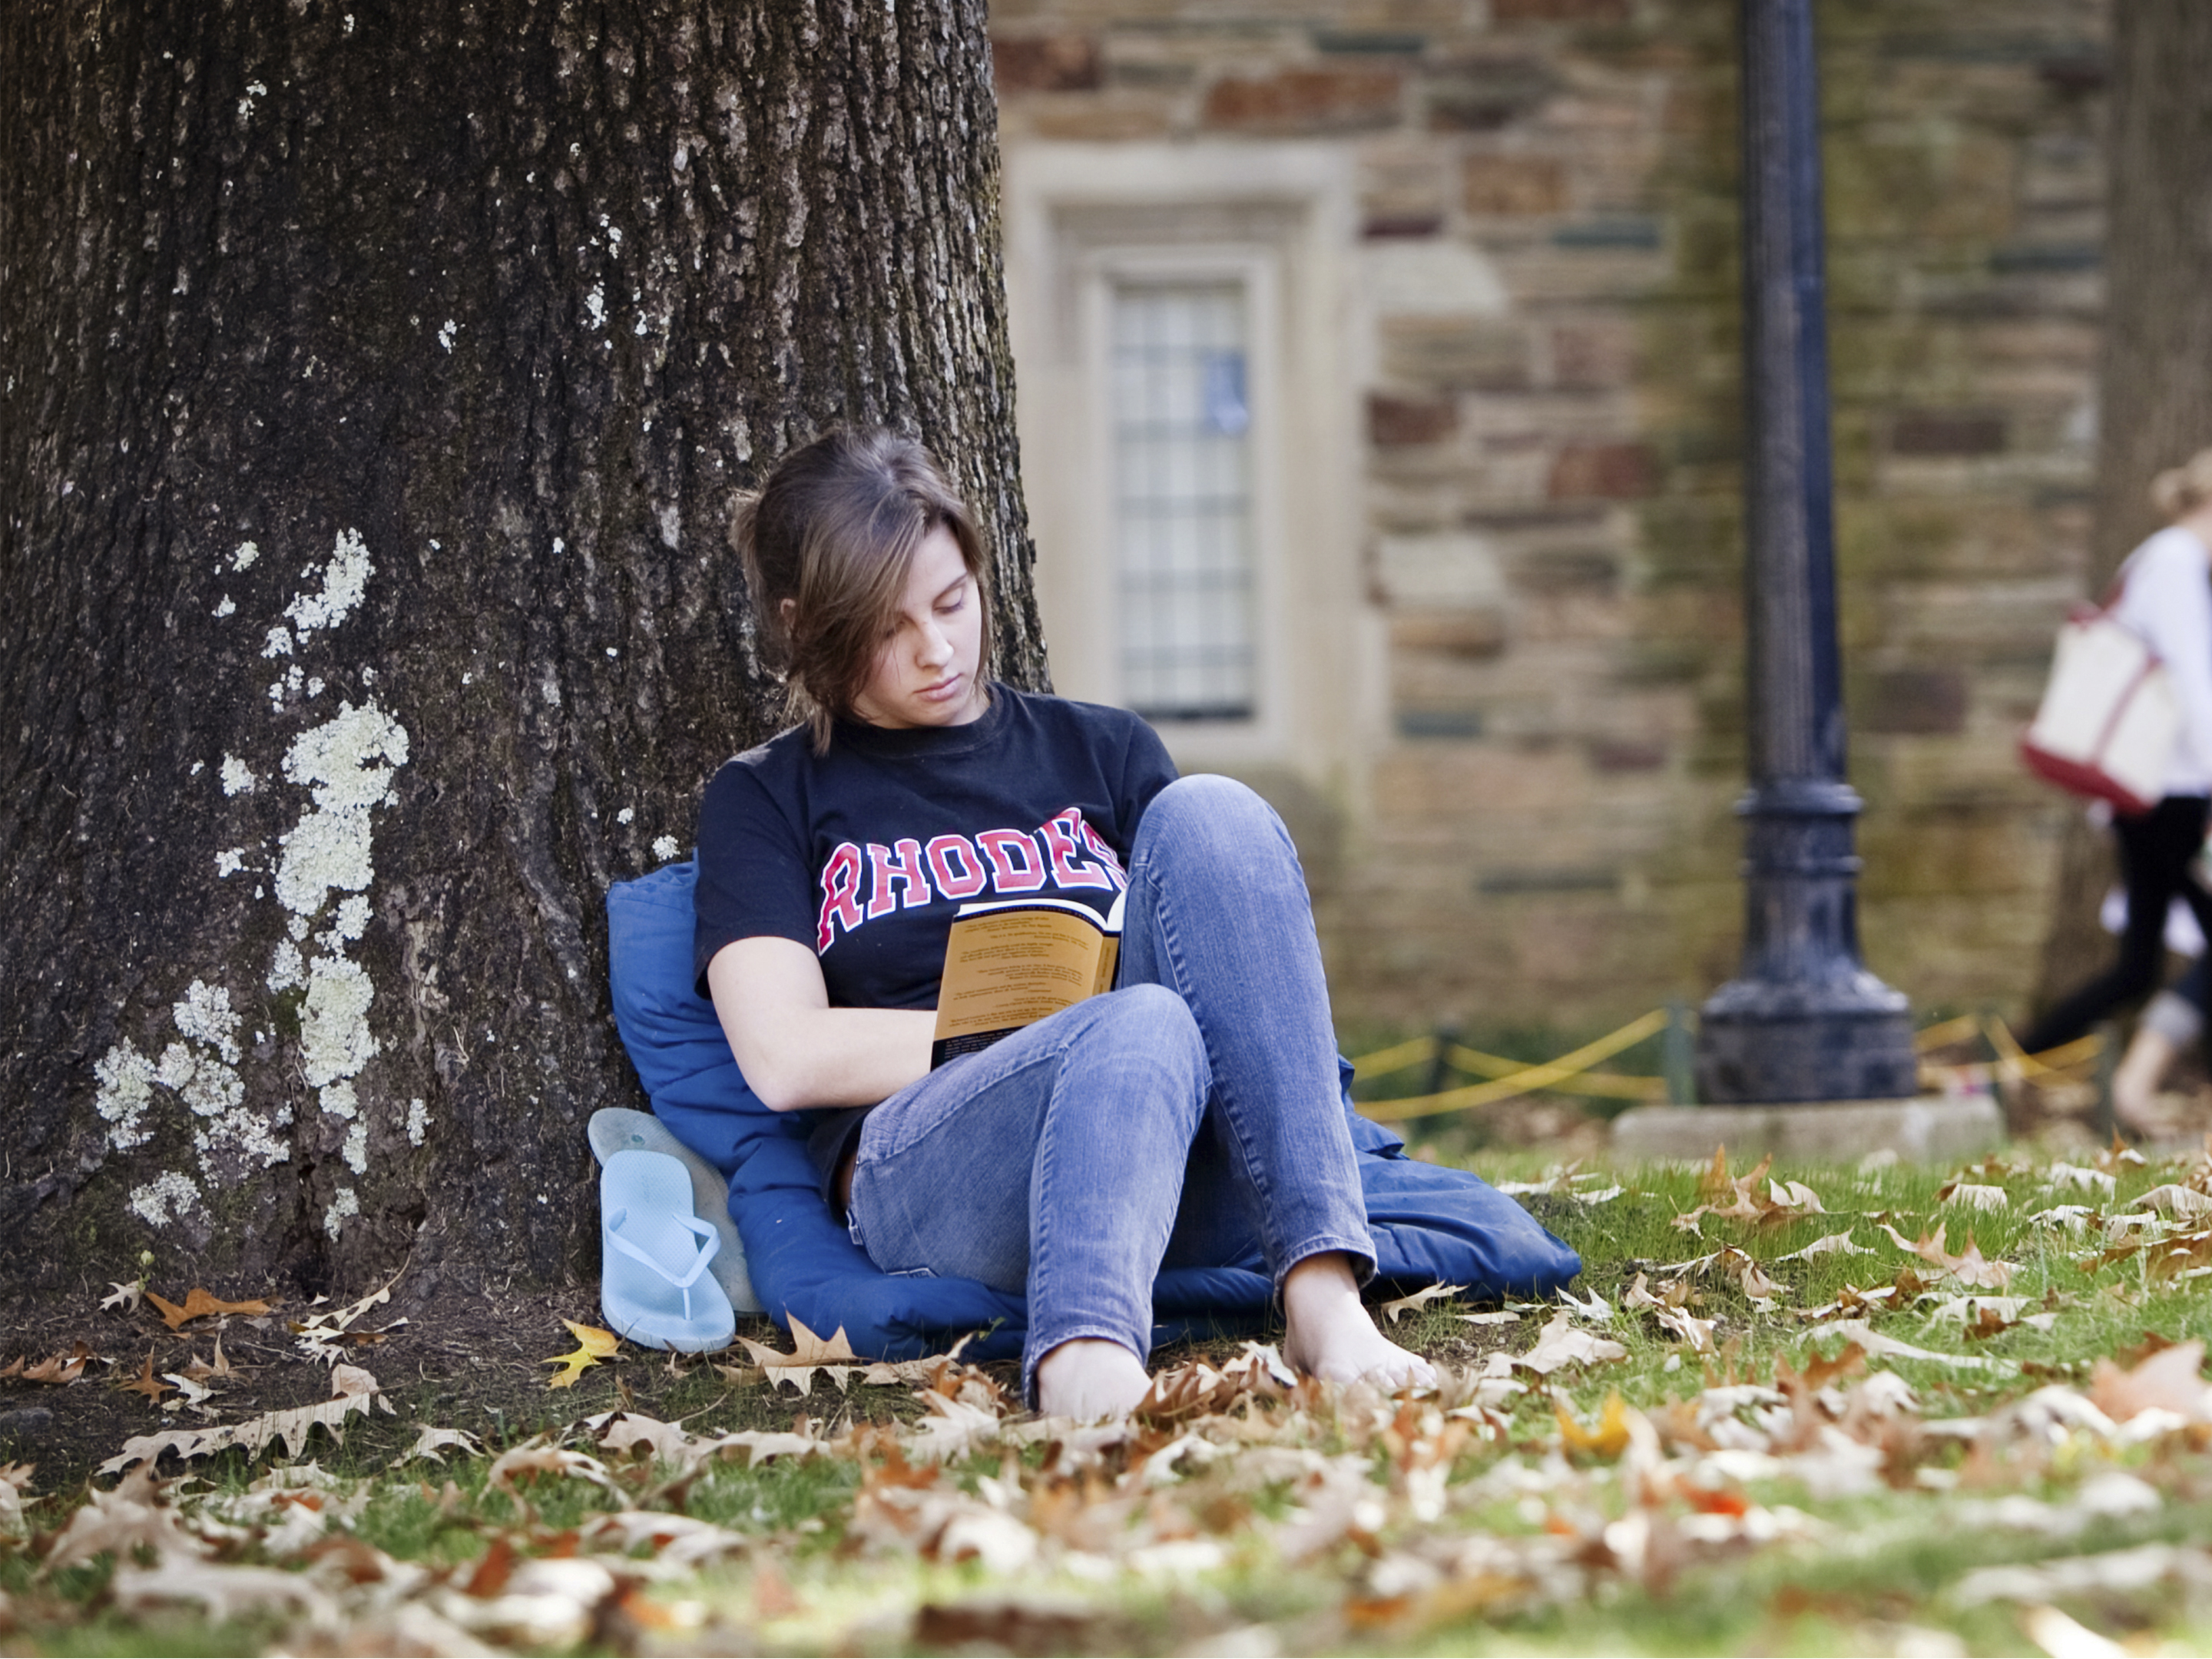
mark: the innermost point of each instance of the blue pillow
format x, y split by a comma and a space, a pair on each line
1431, 1225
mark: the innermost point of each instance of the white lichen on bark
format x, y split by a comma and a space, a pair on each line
346, 764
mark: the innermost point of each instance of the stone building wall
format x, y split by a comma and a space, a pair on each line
1538, 827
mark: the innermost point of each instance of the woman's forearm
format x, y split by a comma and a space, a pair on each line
838, 1057
795, 1050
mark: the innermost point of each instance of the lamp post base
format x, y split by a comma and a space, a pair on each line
1766, 1042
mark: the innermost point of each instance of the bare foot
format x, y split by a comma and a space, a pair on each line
1090, 1379
2136, 1080
1330, 1334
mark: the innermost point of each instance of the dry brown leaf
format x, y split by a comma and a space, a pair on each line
533, 1457
125, 1296
295, 1428
626, 1430
135, 1516
1698, 1333
1560, 1343
146, 1383
197, 1305
62, 1368
2185, 1203
1973, 1196
810, 1354
593, 1345
433, 1443
1418, 1300
2168, 1381
351, 1379
1833, 1243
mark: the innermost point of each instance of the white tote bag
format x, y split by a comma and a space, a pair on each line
2109, 718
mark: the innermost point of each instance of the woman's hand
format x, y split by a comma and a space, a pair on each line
796, 1050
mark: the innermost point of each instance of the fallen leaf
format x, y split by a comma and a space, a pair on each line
2062, 1638
810, 1354
2170, 1199
1795, 1196
146, 1383
533, 1457
1835, 1243
2073, 1177
197, 1305
1560, 1344
1973, 1196
1495, 1316
2168, 1381
433, 1443
351, 1379
1888, 1347
1597, 1309
593, 1345
1608, 1439
625, 1431
62, 1368
1420, 1299
1698, 1333
324, 1335
126, 1296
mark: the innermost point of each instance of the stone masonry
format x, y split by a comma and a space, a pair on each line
1553, 531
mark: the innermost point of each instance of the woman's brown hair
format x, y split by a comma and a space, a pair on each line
833, 532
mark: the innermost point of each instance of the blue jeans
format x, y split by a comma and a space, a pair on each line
1178, 1121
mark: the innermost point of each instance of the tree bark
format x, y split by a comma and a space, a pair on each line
2155, 398
374, 385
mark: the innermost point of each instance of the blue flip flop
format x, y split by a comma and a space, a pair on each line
653, 1283
618, 1128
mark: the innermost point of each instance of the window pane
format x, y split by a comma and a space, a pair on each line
1182, 500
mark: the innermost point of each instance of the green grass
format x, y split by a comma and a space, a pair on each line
823, 1560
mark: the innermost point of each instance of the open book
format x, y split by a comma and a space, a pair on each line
1012, 962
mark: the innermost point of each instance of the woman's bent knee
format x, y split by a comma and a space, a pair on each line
1146, 1026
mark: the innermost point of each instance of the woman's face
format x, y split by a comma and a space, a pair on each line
926, 668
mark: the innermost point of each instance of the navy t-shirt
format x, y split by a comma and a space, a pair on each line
865, 854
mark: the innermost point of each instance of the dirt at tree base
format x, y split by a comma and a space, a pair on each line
475, 1363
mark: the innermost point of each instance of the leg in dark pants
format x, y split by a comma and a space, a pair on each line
2156, 851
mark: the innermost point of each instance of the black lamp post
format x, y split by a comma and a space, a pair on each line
1804, 1020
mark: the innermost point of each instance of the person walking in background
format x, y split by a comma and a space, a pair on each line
2166, 597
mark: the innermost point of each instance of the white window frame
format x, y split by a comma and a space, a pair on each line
1099, 580
1280, 218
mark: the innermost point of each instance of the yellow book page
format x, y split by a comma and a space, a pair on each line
1008, 968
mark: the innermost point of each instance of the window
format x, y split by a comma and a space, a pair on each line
1182, 500
1184, 335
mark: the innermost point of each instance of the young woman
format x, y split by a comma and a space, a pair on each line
1175, 1120
2166, 596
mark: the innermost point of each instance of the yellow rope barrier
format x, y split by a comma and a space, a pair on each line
2017, 1062
1383, 1061
1612, 1085
1571, 1073
1946, 1031
1520, 1082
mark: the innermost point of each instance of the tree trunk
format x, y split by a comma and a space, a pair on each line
372, 394
2155, 396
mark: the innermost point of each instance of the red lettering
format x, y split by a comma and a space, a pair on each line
840, 888
1105, 855
1015, 862
966, 881
1060, 832
903, 870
